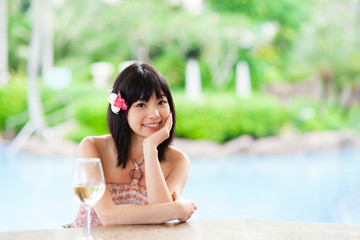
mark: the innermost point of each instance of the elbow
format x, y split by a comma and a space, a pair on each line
108, 218
106, 221
110, 221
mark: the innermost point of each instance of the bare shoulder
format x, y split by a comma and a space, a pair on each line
90, 141
92, 146
96, 139
177, 157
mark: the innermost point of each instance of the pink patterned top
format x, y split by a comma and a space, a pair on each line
121, 194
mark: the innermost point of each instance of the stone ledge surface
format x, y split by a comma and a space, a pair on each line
209, 230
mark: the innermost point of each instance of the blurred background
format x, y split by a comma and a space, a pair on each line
267, 97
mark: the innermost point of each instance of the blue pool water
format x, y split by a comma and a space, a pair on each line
320, 187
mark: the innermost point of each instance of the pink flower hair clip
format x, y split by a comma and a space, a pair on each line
117, 103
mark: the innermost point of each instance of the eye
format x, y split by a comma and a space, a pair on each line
140, 105
162, 102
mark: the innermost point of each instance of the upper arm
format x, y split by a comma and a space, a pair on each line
179, 174
89, 148
105, 206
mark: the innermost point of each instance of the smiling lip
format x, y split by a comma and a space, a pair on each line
153, 125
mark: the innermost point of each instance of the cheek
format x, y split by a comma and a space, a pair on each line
131, 118
166, 111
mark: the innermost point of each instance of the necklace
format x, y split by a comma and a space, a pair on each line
137, 168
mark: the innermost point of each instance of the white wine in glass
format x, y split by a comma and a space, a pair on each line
89, 194
88, 184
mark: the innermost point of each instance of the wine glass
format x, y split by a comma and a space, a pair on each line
88, 184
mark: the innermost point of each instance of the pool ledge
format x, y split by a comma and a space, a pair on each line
227, 229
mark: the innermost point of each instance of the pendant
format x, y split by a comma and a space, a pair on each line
132, 173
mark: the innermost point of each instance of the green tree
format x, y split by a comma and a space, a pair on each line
328, 48
268, 56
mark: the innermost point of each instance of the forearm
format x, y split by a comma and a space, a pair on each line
157, 190
139, 214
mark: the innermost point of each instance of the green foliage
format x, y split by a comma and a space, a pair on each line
156, 31
12, 100
287, 12
354, 118
18, 35
90, 114
216, 116
310, 37
308, 115
206, 81
221, 117
172, 66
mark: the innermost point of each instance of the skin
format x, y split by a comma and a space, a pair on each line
150, 124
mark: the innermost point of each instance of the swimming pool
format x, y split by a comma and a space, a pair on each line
319, 187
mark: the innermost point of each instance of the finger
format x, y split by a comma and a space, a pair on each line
169, 122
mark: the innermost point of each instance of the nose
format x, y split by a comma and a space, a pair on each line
153, 112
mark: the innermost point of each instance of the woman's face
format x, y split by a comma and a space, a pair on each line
145, 118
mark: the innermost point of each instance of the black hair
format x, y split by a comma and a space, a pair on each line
134, 83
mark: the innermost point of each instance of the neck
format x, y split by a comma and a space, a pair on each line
136, 149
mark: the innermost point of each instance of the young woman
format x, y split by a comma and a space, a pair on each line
144, 174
